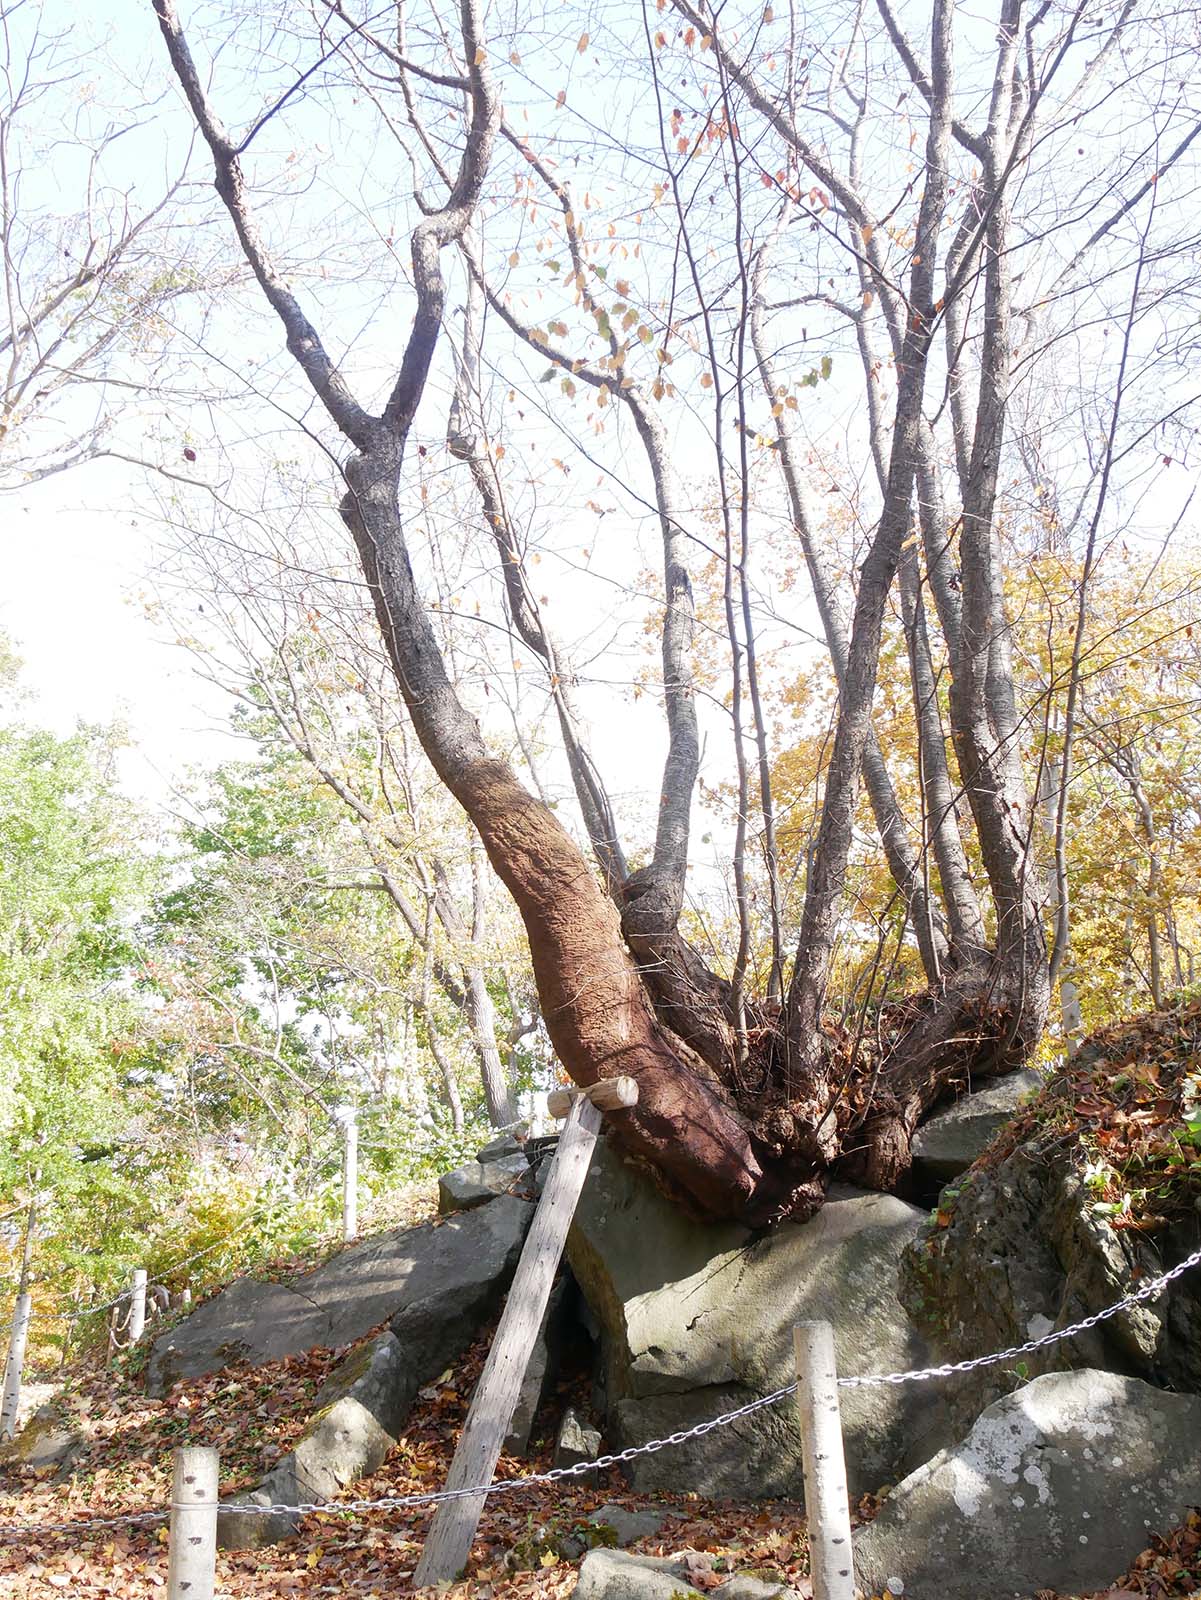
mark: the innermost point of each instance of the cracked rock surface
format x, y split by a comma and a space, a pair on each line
696, 1319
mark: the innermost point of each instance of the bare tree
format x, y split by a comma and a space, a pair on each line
910, 202
92, 268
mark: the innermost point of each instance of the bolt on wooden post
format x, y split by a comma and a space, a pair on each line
827, 1507
17, 1338
192, 1535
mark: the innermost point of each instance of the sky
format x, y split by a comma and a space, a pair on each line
78, 549
74, 566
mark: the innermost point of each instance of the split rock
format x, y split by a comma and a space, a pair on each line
696, 1319
1057, 1486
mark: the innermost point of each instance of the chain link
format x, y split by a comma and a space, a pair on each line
949, 1368
579, 1468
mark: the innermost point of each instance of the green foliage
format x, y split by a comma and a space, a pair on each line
72, 873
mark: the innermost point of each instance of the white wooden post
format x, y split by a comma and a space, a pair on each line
137, 1305
17, 1338
452, 1531
350, 1174
192, 1535
827, 1508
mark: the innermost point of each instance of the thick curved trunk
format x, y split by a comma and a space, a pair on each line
594, 1006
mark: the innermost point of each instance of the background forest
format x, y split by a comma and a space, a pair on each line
678, 438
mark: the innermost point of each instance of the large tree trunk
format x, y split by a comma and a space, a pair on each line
744, 1111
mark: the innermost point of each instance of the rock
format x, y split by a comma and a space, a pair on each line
627, 1526
481, 1181
501, 1148
46, 1445
577, 1440
541, 1368
696, 1319
947, 1145
613, 1575
1056, 1487
404, 1271
751, 1586
1017, 1251
361, 1410
362, 1406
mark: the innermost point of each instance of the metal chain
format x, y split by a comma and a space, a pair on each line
579, 1468
949, 1368
433, 1496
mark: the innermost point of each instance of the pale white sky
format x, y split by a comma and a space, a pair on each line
71, 579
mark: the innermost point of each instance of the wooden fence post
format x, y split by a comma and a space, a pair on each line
17, 1337
827, 1508
192, 1536
350, 1174
137, 1305
448, 1543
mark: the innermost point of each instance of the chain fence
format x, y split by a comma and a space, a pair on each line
343, 1508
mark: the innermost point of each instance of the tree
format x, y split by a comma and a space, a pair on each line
94, 268
782, 186
72, 878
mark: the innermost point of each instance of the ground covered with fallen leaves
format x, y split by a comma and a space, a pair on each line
1126, 1108
253, 1415
1130, 1104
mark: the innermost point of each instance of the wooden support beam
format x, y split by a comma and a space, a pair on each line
452, 1531
607, 1094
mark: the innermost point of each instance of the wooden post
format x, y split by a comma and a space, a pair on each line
17, 1338
609, 1094
350, 1174
452, 1531
192, 1536
137, 1305
827, 1509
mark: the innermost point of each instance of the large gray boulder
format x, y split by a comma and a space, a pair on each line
696, 1319
362, 1407
1056, 1487
410, 1270
948, 1144
1018, 1250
